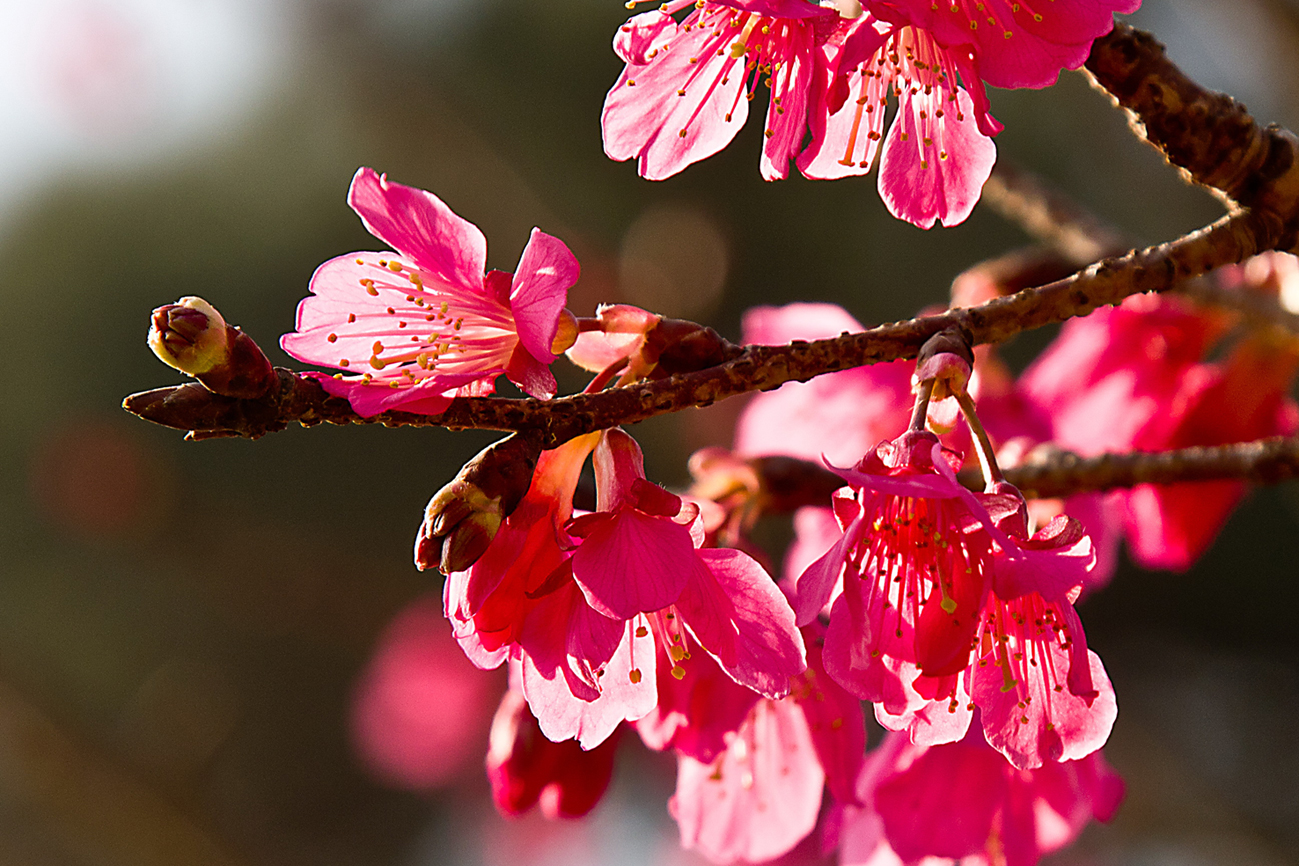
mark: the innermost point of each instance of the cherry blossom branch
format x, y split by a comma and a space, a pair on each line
757, 368
1051, 473
1209, 136
1061, 473
1075, 237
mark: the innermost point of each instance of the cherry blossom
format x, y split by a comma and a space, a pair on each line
685, 90
526, 769
761, 794
416, 327
963, 801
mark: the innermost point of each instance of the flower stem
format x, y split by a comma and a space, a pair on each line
605, 376
920, 413
982, 444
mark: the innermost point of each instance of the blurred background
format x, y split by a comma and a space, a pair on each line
185, 628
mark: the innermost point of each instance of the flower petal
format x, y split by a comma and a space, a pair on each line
417, 224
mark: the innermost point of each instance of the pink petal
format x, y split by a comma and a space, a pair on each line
787, 112
646, 119
768, 649
547, 270
562, 716
698, 712
835, 721
760, 797
1055, 726
920, 186
812, 588
419, 225
943, 804
637, 41
633, 563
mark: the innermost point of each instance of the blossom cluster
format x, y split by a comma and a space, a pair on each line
831, 69
949, 610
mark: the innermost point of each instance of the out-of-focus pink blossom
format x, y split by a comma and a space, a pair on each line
761, 795
685, 90
839, 416
963, 801
1113, 378
415, 328
420, 710
526, 769
1133, 378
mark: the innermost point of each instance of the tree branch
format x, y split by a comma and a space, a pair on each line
1208, 135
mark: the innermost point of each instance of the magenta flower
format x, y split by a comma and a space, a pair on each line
685, 91
945, 603
636, 581
938, 151
962, 800
761, 795
525, 769
1134, 378
1016, 43
1244, 398
914, 561
489, 603
414, 328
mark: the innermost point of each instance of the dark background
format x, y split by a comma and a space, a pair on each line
182, 625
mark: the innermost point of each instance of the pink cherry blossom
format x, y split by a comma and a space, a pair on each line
416, 327
938, 151
1134, 378
636, 580
526, 769
761, 795
1016, 43
420, 709
914, 563
962, 800
489, 603
685, 90
1245, 397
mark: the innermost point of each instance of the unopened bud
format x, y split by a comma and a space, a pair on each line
463, 517
191, 336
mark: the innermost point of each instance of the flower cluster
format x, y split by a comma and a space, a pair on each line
950, 610
831, 70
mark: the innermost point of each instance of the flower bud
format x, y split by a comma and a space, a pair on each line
463, 517
191, 336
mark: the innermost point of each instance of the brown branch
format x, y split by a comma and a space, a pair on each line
1076, 234
1055, 473
757, 368
1267, 461
1208, 135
